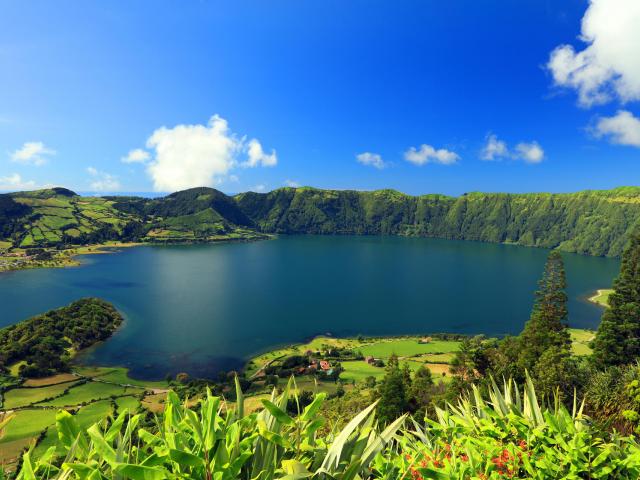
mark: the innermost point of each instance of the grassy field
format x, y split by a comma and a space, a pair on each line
41, 382
23, 429
407, 347
580, 340
127, 403
89, 392
94, 398
117, 375
20, 397
602, 297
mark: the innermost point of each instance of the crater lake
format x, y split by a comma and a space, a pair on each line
204, 308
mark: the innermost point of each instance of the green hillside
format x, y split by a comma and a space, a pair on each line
589, 222
59, 217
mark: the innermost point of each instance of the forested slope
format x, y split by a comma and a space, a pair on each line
589, 222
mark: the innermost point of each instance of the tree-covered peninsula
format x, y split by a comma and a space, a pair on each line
43, 345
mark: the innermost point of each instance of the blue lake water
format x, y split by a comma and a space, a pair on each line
203, 308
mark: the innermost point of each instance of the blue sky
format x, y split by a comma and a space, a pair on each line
254, 95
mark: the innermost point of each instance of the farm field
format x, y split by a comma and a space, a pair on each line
92, 400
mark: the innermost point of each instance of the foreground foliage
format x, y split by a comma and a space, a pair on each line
509, 434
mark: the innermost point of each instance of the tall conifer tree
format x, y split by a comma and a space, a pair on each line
618, 339
547, 326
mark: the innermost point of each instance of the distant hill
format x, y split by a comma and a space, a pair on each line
588, 222
57, 217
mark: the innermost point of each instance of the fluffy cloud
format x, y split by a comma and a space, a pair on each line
257, 157
291, 183
137, 155
102, 181
609, 66
428, 154
15, 182
529, 152
188, 156
495, 149
371, 160
32, 153
622, 129
258, 188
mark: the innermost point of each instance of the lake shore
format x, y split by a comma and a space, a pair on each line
601, 297
67, 258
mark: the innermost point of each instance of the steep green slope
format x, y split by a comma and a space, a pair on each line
589, 222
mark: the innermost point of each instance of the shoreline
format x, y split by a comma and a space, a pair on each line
67, 258
601, 297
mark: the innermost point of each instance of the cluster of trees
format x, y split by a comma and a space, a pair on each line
43, 342
401, 391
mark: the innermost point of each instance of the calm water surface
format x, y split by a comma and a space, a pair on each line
202, 308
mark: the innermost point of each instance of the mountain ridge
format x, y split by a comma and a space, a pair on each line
594, 222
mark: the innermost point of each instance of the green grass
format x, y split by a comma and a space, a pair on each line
117, 375
438, 357
602, 297
27, 423
129, 403
94, 412
358, 370
407, 348
20, 397
88, 392
580, 340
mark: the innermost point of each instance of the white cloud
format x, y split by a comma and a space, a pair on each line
32, 153
187, 156
609, 66
530, 152
292, 183
622, 129
258, 188
258, 157
428, 154
15, 182
371, 160
102, 181
137, 155
494, 149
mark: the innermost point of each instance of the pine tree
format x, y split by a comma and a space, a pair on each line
617, 341
547, 326
393, 397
